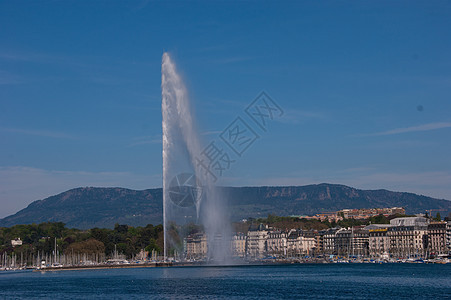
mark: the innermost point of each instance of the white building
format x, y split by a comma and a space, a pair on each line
16, 242
293, 243
195, 246
277, 243
256, 241
239, 245
379, 241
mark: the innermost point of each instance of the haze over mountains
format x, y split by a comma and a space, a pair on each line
90, 207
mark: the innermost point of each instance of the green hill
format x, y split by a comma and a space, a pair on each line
103, 207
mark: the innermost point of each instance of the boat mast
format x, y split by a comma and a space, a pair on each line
54, 256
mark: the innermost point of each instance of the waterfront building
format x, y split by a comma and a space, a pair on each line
195, 246
293, 243
403, 238
329, 246
239, 244
319, 237
308, 242
256, 245
408, 237
436, 243
342, 242
378, 242
277, 243
448, 236
351, 242
407, 241
360, 241
300, 243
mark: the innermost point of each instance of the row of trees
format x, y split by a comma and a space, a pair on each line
40, 238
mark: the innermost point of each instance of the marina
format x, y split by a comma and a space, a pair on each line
265, 262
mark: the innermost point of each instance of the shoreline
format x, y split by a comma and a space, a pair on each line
206, 264
102, 266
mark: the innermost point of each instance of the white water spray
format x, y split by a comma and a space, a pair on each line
181, 146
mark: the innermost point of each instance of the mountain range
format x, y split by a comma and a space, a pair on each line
89, 207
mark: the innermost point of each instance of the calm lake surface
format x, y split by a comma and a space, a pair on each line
334, 281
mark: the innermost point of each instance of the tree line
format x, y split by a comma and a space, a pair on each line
40, 238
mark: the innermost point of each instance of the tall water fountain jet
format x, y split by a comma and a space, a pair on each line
189, 195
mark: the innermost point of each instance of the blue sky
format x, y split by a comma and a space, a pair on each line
365, 87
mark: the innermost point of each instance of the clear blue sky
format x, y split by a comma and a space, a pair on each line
365, 86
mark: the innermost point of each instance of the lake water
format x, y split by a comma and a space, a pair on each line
334, 281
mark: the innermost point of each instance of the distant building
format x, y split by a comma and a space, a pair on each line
365, 213
351, 242
195, 246
256, 241
379, 242
410, 221
239, 245
16, 242
329, 216
308, 242
408, 237
319, 237
329, 247
448, 236
408, 241
362, 213
437, 238
293, 243
277, 243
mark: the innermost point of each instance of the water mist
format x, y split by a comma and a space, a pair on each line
189, 195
